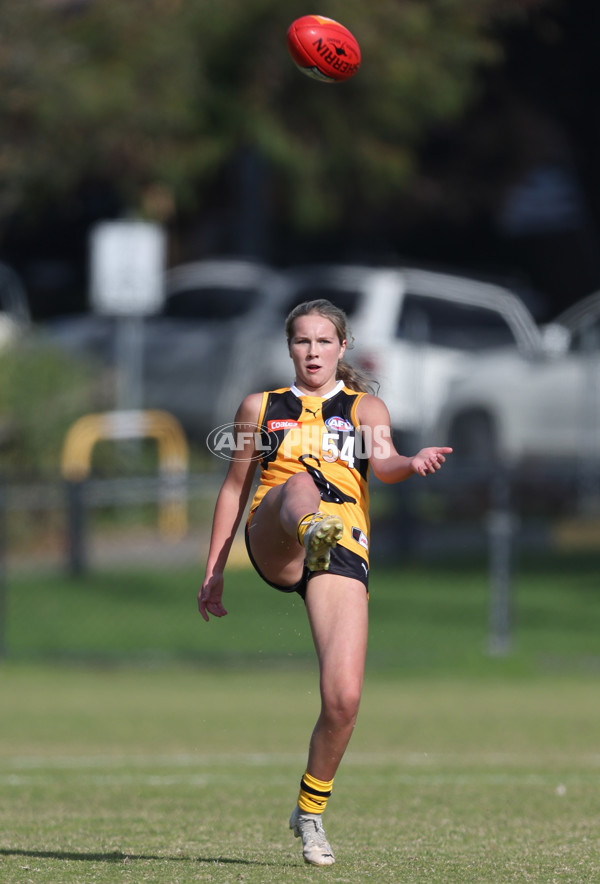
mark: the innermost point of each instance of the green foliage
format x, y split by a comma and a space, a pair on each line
42, 391
163, 93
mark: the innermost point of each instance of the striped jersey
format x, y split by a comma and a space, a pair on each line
320, 435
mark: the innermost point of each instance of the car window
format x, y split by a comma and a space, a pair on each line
586, 337
210, 303
345, 300
448, 324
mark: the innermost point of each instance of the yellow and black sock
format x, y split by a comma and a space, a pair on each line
314, 794
303, 524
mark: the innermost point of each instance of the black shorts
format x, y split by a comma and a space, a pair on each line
342, 562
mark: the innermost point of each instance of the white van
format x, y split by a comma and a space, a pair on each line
416, 330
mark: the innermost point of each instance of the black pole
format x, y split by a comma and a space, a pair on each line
3, 581
76, 512
500, 528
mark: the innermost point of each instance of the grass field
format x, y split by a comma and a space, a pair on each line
139, 744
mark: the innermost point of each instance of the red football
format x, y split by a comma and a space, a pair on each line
323, 48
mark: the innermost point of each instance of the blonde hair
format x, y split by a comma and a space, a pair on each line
354, 378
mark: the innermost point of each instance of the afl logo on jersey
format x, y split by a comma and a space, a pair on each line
338, 423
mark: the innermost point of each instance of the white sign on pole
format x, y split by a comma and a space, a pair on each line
127, 262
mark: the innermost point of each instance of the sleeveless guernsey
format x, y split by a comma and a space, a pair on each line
321, 436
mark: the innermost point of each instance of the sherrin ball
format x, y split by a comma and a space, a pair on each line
323, 48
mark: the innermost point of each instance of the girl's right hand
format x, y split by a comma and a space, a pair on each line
209, 597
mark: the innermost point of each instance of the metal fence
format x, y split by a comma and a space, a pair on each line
493, 514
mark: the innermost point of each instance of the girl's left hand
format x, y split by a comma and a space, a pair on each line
429, 460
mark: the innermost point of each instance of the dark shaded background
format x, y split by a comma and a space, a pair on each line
511, 191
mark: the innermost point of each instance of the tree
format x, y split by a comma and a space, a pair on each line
152, 94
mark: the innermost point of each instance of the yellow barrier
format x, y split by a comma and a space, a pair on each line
172, 451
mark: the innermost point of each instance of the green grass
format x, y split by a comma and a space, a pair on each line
180, 775
171, 750
424, 619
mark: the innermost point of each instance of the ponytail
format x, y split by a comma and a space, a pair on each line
355, 378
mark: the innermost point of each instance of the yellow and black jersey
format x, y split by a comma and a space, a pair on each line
320, 435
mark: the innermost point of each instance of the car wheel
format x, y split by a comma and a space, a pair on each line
473, 436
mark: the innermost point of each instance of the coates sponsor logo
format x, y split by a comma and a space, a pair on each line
338, 423
283, 424
239, 441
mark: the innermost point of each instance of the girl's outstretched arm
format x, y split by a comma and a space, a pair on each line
229, 508
388, 465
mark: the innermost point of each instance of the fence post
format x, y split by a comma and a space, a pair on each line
77, 524
588, 473
500, 525
3, 583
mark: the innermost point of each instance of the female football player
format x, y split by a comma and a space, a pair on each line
308, 525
